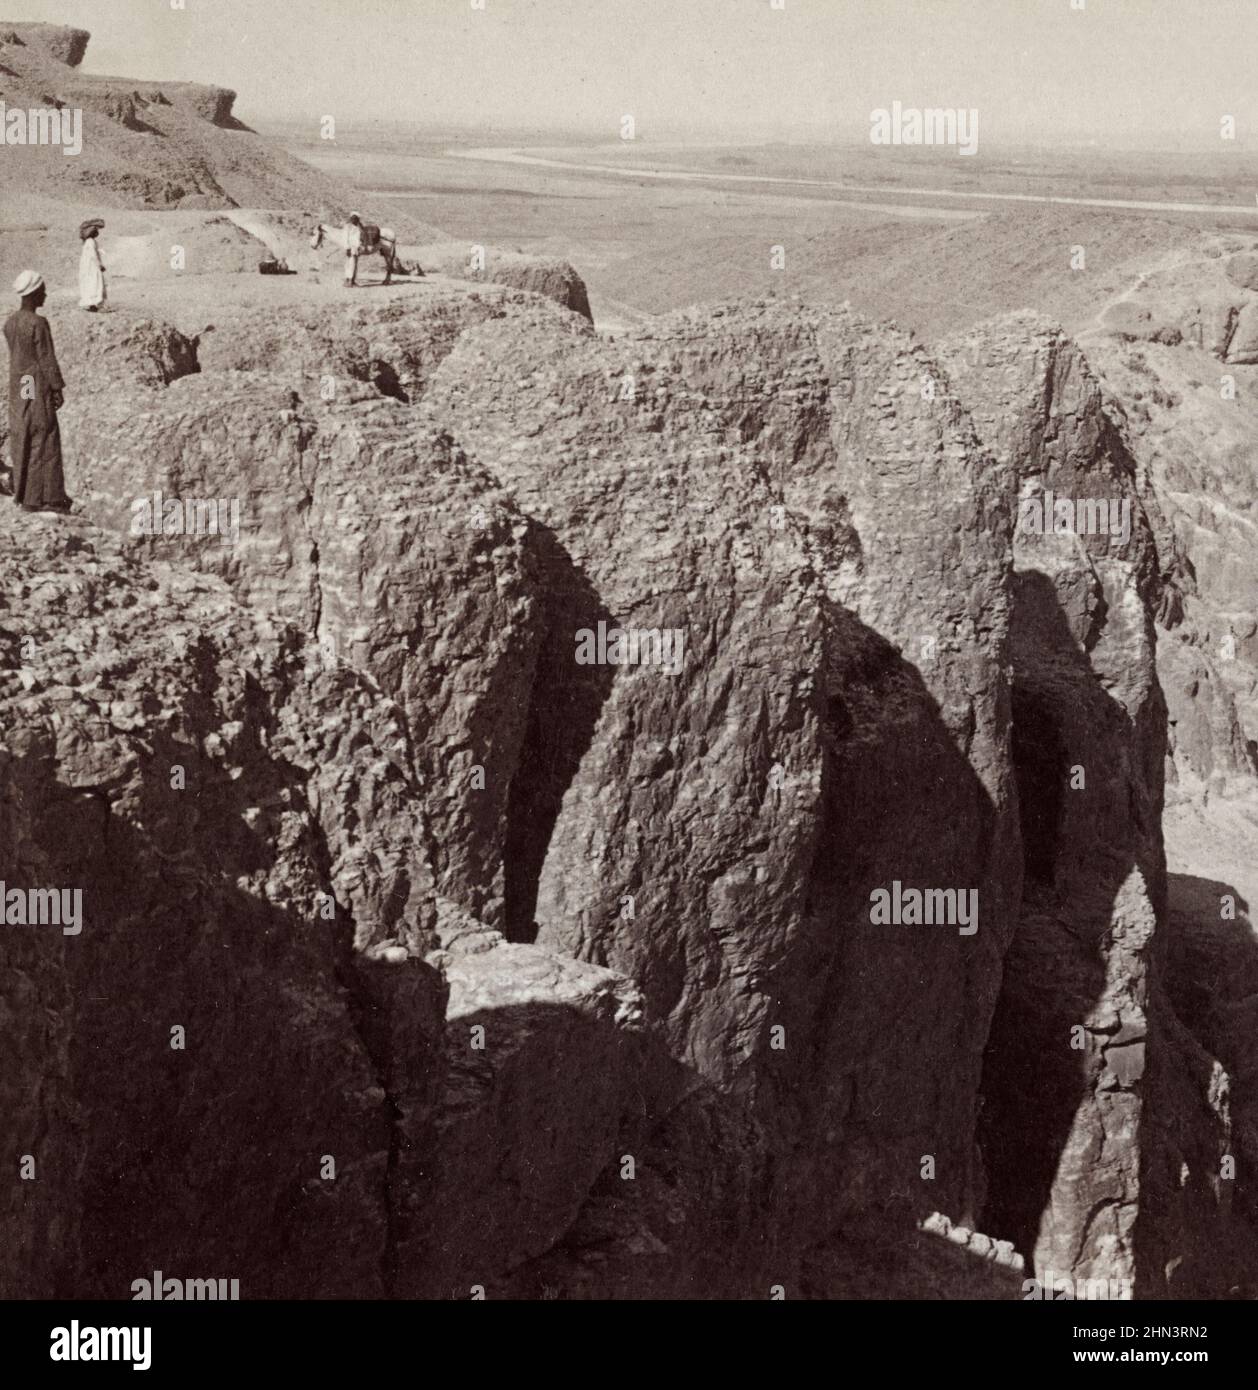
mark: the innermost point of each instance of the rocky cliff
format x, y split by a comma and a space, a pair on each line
143, 143
1075, 1123
1181, 361
239, 819
58, 42
1192, 412
607, 1007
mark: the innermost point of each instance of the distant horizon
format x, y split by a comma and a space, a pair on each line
714, 136
1119, 75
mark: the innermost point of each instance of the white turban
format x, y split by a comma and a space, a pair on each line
28, 282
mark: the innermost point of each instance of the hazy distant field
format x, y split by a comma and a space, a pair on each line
647, 244
1227, 177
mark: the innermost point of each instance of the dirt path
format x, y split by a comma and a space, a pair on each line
1173, 260
281, 244
127, 256
613, 317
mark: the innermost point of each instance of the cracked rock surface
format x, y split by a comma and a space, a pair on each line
601, 1010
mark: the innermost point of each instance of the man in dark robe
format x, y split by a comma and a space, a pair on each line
36, 392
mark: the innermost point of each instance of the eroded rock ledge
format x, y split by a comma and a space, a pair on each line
601, 1010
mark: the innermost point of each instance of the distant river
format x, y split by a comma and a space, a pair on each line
508, 156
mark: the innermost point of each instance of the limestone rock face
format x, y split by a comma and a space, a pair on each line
210, 103
1207, 744
519, 1021
1212, 978
756, 456
458, 549
556, 280
446, 621
155, 144
1192, 413
199, 776
1069, 1109
628, 684
98, 357
58, 41
106, 359
1190, 426
394, 347
391, 549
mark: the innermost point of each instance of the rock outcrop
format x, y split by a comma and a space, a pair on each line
240, 822
1083, 1038
57, 41
210, 103
143, 144
555, 280
100, 357
1192, 416
663, 872
1190, 422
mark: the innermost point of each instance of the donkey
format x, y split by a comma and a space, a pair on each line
381, 241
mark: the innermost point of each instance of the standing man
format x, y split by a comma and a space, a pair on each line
353, 248
36, 393
91, 269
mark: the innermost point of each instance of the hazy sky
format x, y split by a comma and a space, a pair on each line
1120, 71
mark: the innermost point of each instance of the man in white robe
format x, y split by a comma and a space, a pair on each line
91, 270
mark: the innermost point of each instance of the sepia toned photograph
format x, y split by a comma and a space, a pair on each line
629, 660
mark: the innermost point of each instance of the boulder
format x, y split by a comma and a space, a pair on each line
1242, 347
1242, 270
555, 279
1135, 322
59, 42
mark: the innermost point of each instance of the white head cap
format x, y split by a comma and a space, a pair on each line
28, 282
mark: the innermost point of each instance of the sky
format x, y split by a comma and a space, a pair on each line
1160, 73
